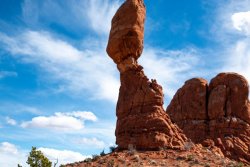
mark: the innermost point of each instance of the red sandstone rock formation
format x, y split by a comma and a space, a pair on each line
215, 115
141, 119
127, 32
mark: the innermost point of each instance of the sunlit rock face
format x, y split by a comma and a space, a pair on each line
141, 119
127, 32
215, 114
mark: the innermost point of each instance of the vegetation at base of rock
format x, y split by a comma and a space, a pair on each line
112, 148
102, 153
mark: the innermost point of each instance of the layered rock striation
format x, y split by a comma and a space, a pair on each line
141, 119
215, 114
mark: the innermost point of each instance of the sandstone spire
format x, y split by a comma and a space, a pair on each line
141, 119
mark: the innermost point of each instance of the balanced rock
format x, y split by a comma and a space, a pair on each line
217, 114
127, 32
141, 119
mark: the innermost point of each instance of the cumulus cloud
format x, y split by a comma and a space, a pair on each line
63, 156
10, 121
241, 22
61, 121
8, 147
10, 155
91, 142
76, 71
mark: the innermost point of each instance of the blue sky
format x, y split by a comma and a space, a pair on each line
59, 88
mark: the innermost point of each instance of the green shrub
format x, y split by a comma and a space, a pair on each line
112, 148
102, 153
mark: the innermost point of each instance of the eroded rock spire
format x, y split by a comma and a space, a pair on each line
141, 119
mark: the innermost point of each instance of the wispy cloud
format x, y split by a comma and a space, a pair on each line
75, 70
60, 121
89, 69
106, 9
18, 108
10, 121
172, 67
4, 74
92, 14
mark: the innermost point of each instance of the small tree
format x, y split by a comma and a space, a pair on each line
37, 159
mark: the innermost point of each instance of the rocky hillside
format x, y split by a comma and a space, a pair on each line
197, 156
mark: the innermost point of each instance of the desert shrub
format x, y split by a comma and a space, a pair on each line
95, 157
112, 148
87, 160
102, 153
190, 158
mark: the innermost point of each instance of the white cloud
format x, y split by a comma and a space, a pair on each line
8, 147
100, 14
93, 14
60, 121
171, 68
241, 22
75, 71
84, 115
64, 123
91, 142
10, 155
10, 121
238, 58
4, 74
233, 30
63, 156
